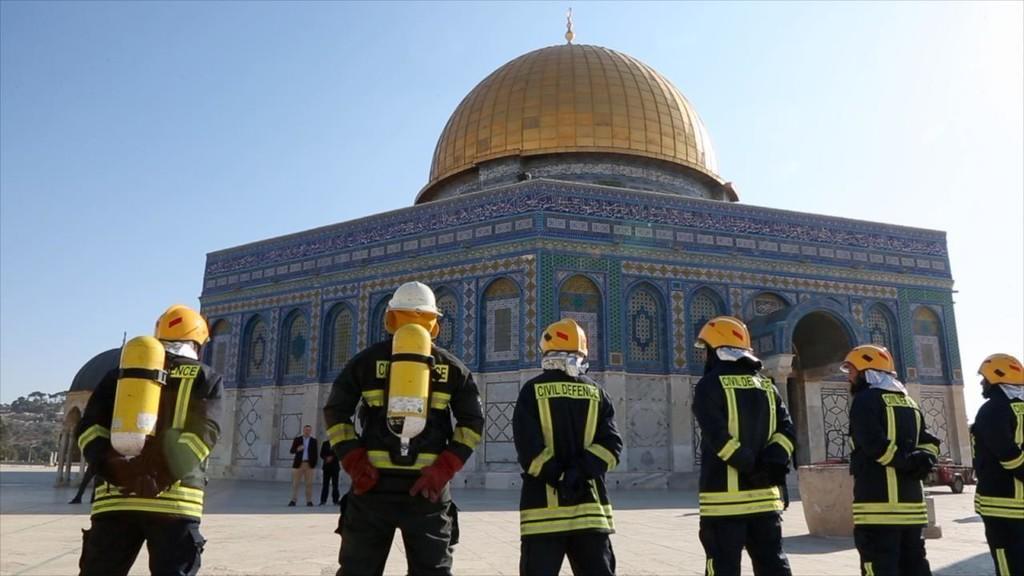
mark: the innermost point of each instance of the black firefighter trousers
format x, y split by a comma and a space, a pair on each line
1006, 543
111, 544
590, 554
891, 550
725, 537
368, 524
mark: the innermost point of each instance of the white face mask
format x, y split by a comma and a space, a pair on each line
181, 348
1012, 392
571, 364
884, 381
730, 354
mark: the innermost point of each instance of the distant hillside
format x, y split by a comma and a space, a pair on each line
29, 427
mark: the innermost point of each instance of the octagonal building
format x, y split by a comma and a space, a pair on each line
576, 181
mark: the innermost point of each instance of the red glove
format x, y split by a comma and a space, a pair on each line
433, 478
364, 475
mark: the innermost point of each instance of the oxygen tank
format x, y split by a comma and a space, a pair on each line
139, 379
409, 383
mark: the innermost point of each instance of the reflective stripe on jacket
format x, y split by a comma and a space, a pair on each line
885, 427
997, 436
187, 429
363, 385
561, 422
740, 414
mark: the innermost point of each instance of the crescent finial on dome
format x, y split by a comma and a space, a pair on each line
569, 34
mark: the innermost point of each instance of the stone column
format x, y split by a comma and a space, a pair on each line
61, 457
779, 367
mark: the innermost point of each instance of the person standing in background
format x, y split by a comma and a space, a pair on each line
331, 470
304, 465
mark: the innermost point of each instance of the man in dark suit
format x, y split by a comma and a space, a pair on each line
331, 470
304, 465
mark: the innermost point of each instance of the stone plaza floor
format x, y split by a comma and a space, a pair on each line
251, 531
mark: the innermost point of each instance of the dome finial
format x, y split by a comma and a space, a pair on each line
569, 34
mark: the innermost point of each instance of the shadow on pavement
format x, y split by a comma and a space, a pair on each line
977, 565
805, 544
968, 520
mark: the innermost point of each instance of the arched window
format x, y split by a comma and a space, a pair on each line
257, 349
580, 299
501, 321
449, 308
339, 338
879, 324
927, 330
295, 344
217, 353
376, 331
703, 307
645, 324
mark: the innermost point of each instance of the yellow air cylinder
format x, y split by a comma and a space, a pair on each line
140, 376
409, 382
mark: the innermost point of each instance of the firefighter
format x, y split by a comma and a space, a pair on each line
565, 437
397, 481
998, 439
892, 453
747, 441
157, 496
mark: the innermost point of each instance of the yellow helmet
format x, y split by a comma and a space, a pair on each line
179, 322
869, 357
724, 331
564, 336
1002, 369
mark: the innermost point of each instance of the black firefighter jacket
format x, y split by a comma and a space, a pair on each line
561, 422
742, 419
365, 378
998, 440
187, 428
885, 428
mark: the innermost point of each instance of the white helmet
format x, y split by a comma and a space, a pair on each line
414, 297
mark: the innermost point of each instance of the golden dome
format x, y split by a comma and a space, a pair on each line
572, 98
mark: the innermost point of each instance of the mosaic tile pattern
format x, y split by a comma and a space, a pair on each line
766, 280
530, 322
927, 345
933, 407
246, 428
908, 298
880, 328
678, 329
341, 338
580, 200
296, 345
499, 421
645, 327
469, 345
315, 330
768, 303
275, 328
835, 408
449, 308
703, 307
257, 350
580, 299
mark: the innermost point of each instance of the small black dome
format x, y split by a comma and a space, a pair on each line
94, 370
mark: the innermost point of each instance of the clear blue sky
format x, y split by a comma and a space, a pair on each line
137, 137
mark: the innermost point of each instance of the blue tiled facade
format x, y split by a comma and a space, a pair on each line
647, 269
